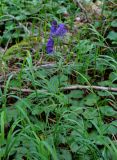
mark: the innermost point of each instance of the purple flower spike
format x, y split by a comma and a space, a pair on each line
53, 28
50, 46
61, 30
55, 31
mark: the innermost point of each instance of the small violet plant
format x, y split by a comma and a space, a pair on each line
55, 31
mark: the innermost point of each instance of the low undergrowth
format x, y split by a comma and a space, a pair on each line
44, 114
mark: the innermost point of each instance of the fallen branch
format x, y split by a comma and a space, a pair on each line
72, 87
75, 87
22, 90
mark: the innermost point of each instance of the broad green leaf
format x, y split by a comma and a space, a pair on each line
76, 94
21, 17
74, 147
37, 110
103, 93
100, 140
53, 84
62, 10
105, 83
114, 23
114, 123
112, 130
90, 113
66, 154
91, 99
108, 111
112, 35
113, 76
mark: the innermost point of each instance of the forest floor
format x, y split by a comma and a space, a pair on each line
60, 105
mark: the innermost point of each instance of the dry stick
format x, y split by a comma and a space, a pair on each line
23, 90
72, 87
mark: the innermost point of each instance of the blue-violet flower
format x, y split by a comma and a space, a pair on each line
50, 45
53, 28
55, 31
61, 30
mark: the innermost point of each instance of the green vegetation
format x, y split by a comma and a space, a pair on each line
41, 116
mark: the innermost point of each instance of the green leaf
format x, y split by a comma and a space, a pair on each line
76, 94
63, 99
104, 93
114, 123
91, 99
112, 35
100, 140
108, 111
114, 23
62, 10
66, 154
62, 138
113, 76
37, 110
15, 83
77, 109
112, 130
20, 17
105, 83
63, 78
13, 114
84, 46
53, 84
74, 147
82, 79
90, 113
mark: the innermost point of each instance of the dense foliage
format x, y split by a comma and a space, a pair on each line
41, 116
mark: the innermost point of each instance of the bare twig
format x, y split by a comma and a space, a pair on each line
72, 87
23, 90
75, 87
